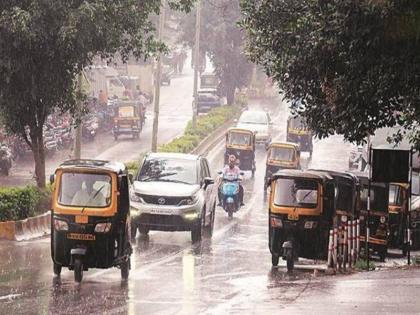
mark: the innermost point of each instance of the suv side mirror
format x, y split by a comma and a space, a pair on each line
220, 172
52, 178
208, 181
241, 173
131, 178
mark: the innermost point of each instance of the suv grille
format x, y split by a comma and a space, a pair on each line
162, 200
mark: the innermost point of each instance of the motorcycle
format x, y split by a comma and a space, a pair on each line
89, 128
230, 193
5, 161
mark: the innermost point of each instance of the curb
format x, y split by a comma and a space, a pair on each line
26, 229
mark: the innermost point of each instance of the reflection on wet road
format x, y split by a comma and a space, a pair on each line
228, 274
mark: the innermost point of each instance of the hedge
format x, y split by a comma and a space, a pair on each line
205, 126
20, 203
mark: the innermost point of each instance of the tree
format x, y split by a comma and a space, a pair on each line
45, 44
349, 66
223, 41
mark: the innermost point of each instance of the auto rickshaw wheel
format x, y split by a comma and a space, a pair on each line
125, 269
290, 264
115, 137
78, 270
275, 259
57, 269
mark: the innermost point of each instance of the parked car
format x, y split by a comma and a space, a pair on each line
207, 100
258, 121
173, 192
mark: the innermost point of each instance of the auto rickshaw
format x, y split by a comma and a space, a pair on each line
378, 214
128, 119
298, 132
301, 213
281, 155
398, 216
241, 144
90, 221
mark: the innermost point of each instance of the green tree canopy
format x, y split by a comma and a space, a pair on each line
349, 66
223, 41
44, 44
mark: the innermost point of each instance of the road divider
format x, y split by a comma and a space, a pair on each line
27, 229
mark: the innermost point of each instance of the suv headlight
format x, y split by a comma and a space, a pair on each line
189, 201
136, 198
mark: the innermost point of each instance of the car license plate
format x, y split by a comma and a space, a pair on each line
162, 211
81, 237
293, 216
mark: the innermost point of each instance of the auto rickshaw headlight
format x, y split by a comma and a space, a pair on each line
383, 219
343, 218
276, 222
60, 225
310, 224
103, 227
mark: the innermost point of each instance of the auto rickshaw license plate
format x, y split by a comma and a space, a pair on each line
81, 237
293, 216
83, 219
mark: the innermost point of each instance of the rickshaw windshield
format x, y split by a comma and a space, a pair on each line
379, 198
344, 197
301, 193
297, 123
237, 138
282, 154
126, 111
87, 190
395, 195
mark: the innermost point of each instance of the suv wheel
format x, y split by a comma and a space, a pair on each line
196, 234
209, 228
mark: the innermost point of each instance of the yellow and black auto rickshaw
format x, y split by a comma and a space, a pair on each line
128, 119
90, 222
301, 214
281, 155
241, 144
298, 132
378, 215
398, 216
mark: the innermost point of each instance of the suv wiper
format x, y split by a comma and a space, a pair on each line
174, 181
151, 178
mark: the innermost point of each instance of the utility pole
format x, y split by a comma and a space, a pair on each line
196, 62
158, 81
78, 131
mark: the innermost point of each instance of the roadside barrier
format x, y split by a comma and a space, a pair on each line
344, 245
26, 229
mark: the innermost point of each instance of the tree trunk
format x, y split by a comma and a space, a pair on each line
37, 139
230, 95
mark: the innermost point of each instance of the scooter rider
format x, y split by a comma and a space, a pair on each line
232, 170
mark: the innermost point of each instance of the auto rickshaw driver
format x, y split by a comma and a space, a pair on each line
89, 196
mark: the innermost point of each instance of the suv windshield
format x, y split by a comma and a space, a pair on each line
85, 190
253, 118
296, 193
169, 170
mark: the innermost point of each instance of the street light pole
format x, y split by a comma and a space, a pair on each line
157, 82
196, 62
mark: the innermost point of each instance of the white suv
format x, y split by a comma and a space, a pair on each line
173, 192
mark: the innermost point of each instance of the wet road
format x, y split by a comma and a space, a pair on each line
228, 274
175, 112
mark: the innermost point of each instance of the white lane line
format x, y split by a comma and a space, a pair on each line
9, 297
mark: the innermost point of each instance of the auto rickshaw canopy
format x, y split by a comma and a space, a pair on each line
240, 138
279, 153
87, 188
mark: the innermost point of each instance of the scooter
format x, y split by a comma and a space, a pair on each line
230, 194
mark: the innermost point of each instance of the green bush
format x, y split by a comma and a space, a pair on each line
21, 203
205, 126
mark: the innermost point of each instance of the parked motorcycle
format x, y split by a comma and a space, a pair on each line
5, 160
